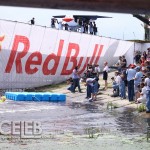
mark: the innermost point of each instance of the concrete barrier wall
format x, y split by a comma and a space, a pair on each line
32, 56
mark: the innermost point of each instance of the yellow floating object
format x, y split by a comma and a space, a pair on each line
3, 99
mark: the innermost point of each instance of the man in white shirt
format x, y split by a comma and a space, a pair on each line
117, 81
130, 78
60, 25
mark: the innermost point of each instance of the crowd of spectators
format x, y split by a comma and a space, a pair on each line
129, 82
81, 26
88, 27
134, 79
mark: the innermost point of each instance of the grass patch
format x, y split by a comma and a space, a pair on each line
111, 106
141, 108
48, 88
148, 133
92, 132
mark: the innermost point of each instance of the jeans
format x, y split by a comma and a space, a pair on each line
89, 90
95, 88
115, 86
122, 90
148, 100
70, 88
131, 90
76, 83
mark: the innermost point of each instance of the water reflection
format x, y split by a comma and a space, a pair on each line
90, 107
130, 122
75, 116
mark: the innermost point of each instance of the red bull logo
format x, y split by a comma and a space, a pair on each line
31, 65
1, 40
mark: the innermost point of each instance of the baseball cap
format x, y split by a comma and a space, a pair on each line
132, 66
138, 68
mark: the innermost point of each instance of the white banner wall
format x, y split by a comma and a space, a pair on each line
137, 47
145, 46
32, 56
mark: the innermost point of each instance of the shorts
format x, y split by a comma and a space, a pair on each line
105, 75
136, 88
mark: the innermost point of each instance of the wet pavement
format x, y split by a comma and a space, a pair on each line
77, 115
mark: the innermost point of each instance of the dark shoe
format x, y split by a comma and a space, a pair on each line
137, 102
115, 95
131, 100
90, 100
148, 111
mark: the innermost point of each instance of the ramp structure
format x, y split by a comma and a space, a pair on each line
36, 96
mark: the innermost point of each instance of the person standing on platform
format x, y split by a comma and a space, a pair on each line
66, 26
53, 22
82, 28
85, 27
60, 25
94, 28
32, 21
91, 28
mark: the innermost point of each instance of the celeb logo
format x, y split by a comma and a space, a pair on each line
1, 40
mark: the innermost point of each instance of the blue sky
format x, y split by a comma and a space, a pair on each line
121, 26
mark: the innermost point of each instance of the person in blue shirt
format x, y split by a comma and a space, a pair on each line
130, 78
137, 81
